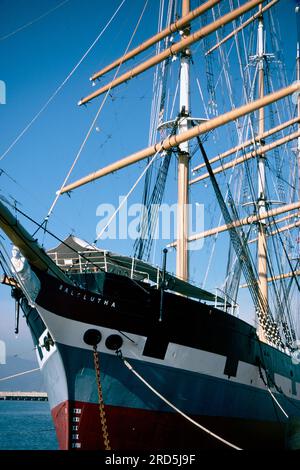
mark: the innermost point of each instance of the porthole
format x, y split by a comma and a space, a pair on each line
92, 337
114, 342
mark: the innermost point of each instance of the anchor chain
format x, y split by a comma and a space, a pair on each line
101, 402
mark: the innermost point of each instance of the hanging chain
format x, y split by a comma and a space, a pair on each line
101, 402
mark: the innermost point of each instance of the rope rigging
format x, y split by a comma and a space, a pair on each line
210, 81
282, 309
27, 127
266, 383
143, 244
88, 260
233, 273
124, 199
151, 201
35, 20
278, 163
164, 399
286, 321
285, 310
107, 94
239, 242
248, 186
19, 374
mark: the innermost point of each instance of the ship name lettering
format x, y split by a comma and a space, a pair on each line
86, 297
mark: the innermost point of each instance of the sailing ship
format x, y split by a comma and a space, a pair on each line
134, 357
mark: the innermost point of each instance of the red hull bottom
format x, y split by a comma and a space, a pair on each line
78, 427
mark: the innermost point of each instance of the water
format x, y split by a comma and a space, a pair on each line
26, 425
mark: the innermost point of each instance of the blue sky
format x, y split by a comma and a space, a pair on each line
33, 62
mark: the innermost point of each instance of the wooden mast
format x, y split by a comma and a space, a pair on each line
182, 261
262, 263
297, 10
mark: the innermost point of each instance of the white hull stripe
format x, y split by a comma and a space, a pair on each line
70, 333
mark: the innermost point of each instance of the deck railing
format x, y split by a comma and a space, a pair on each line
89, 262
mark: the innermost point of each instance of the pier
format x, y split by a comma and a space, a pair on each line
27, 396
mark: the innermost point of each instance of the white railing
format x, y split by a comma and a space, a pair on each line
228, 302
86, 262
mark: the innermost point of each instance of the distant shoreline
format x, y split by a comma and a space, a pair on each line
24, 396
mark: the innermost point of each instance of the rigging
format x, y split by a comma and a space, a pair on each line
238, 240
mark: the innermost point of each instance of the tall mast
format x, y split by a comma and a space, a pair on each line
182, 258
261, 201
297, 11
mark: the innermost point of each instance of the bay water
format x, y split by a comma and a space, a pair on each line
26, 425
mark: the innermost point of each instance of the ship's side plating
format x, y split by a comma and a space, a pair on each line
209, 364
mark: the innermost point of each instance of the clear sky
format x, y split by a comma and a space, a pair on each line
40, 42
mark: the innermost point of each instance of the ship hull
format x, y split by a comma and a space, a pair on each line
220, 381
144, 430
